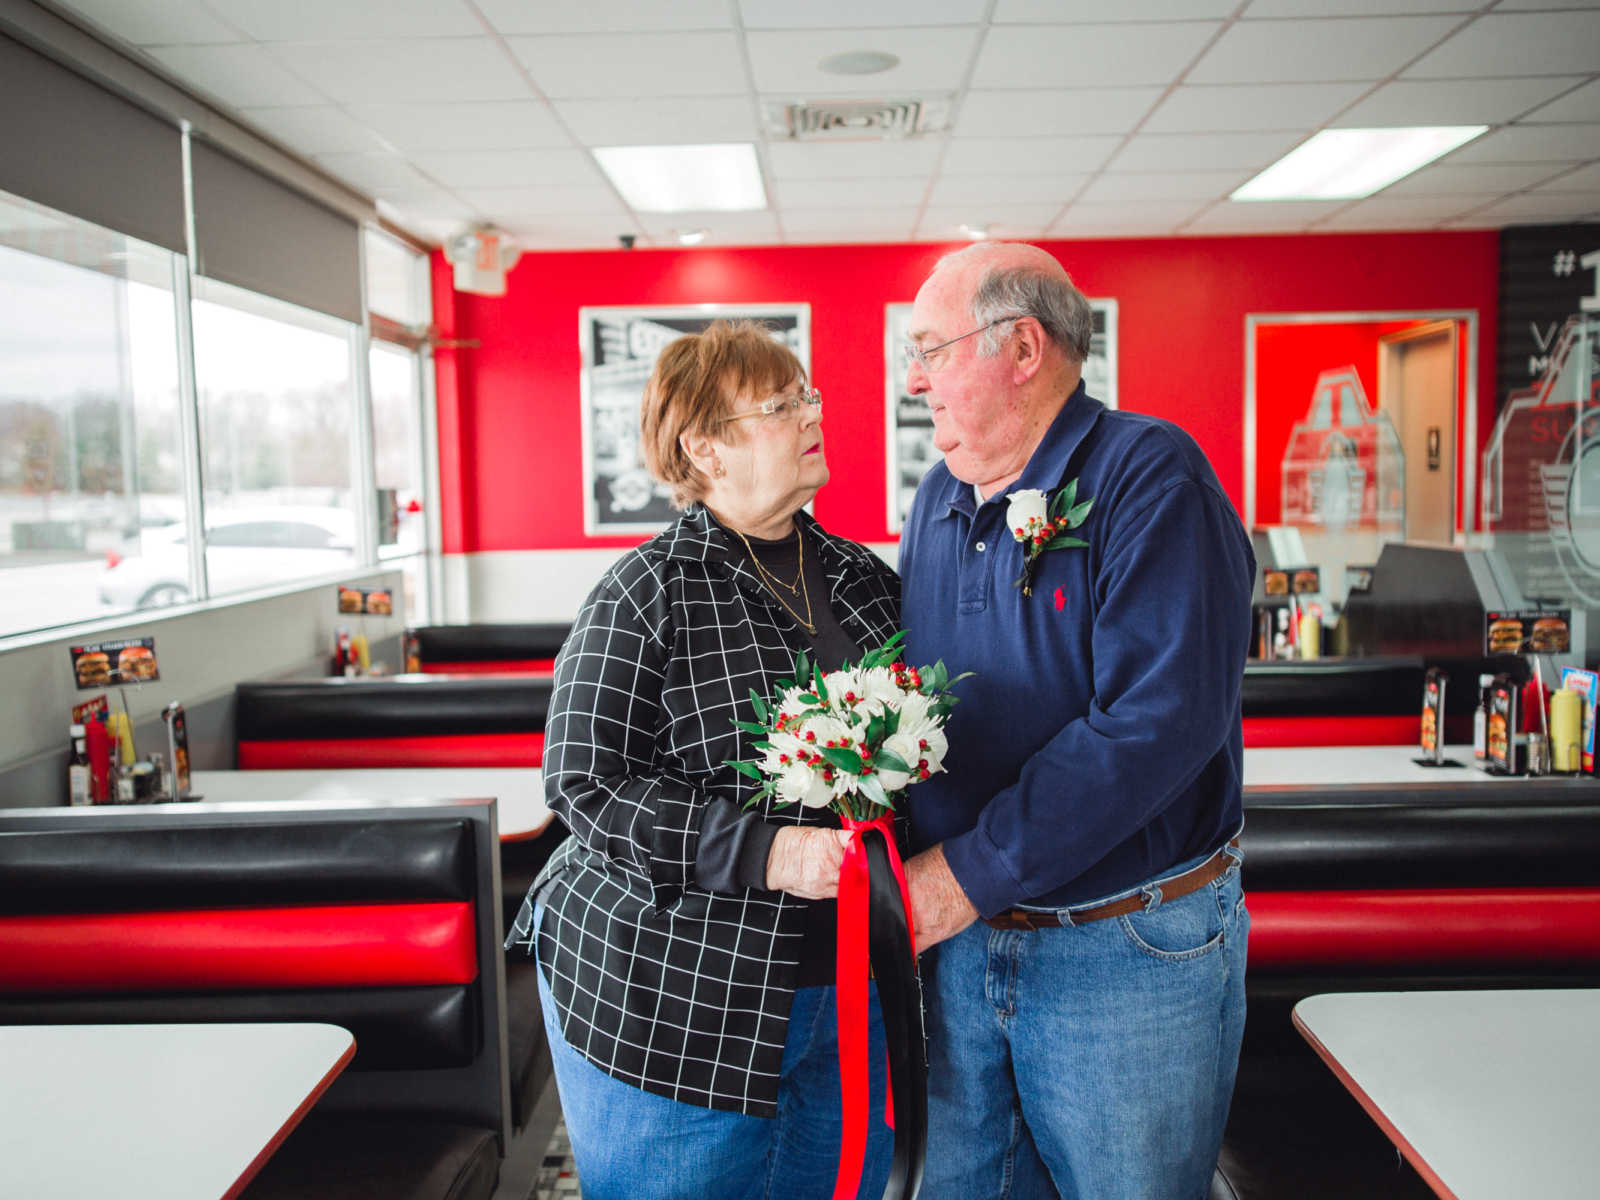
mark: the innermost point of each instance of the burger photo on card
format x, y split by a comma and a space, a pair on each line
93, 669
1549, 635
136, 664
1505, 635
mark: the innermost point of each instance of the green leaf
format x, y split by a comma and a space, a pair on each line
872, 789
762, 746
1064, 498
890, 647
891, 722
844, 759
874, 734
802, 668
747, 769
1078, 513
759, 704
888, 760
1063, 542
751, 727
818, 684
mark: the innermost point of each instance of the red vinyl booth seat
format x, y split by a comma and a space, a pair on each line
1331, 731
448, 750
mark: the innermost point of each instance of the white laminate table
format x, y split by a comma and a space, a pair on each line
1489, 1094
518, 791
1299, 766
154, 1112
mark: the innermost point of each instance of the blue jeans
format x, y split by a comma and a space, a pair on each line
1093, 1061
630, 1144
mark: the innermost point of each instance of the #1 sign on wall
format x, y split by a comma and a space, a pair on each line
620, 346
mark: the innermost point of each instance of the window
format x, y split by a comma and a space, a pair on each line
91, 464
277, 412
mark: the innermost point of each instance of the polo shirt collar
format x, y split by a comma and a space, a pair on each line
1049, 460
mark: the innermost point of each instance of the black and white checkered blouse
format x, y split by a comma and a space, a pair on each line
661, 983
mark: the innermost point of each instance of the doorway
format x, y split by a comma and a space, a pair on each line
1417, 389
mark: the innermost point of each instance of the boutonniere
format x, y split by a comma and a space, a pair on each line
1042, 525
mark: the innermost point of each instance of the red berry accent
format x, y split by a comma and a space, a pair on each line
811, 735
922, 743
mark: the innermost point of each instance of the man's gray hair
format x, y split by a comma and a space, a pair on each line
1055, 302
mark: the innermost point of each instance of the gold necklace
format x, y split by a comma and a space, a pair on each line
768, 578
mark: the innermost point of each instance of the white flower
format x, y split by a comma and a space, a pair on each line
1026, 512
803, 785
879, 691
792, 705
905, 748
782, 749
841, 684
828, 729
926, 740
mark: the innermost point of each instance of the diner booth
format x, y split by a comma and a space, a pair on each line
340, 484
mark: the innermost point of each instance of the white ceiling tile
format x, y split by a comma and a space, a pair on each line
437, 230
1452, 101
1401, 212
1089, 55
507, 205
428, 201
1476, 179
1054, 190
1266, 217
1225, 109
373, 172
1202, 151
244, 76
444, 69
1044, 12
1162, 185
475, 125
930, 60
842, 224
1580, 105
1542, 207
1584, 179
536, 232
316, 20
854, 160
1027, 156
318, 129
1054, 113
1517, 44
1001, 220
1354, 8
721, 227
688, 120
510, 168
1317, 51
606, 16
850, 193
1532, 143
1509, 5
157, 22
845, 14
1161, 214
646, 65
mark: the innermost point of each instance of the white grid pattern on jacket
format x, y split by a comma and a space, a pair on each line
658, 982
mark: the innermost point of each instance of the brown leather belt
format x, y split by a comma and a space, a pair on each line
1191, 880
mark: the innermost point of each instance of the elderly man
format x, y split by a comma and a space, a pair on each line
1077, 871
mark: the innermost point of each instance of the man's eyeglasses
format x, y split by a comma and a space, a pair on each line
916, 354
784, 405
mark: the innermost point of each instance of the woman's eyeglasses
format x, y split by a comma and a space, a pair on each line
784, 405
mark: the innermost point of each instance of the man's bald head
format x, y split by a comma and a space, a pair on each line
1009, 278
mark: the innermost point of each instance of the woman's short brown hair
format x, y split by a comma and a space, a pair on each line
693, 388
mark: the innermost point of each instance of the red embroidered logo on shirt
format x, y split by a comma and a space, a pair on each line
1061, 599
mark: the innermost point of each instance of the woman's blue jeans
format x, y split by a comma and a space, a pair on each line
1090, 1062
630, 1144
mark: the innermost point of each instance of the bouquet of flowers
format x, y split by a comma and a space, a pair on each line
854, 740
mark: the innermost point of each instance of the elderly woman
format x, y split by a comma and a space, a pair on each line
685, 943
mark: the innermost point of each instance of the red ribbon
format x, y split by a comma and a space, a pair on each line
851, 992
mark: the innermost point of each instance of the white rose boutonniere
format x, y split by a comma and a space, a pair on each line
1040, 526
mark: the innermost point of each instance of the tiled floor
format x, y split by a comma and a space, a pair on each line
558, 1178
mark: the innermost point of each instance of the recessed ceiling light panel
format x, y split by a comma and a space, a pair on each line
664, 179
1347, 164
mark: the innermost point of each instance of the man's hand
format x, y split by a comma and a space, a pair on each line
939, 908
805, 860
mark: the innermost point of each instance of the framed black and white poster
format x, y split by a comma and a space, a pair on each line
619, 347
909, 427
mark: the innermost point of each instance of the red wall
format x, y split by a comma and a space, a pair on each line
510, 428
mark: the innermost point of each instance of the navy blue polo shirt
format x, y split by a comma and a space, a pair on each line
1098, 743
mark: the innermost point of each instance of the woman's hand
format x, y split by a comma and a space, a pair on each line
805, 861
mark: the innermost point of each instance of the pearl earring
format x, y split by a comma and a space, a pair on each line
718, 470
